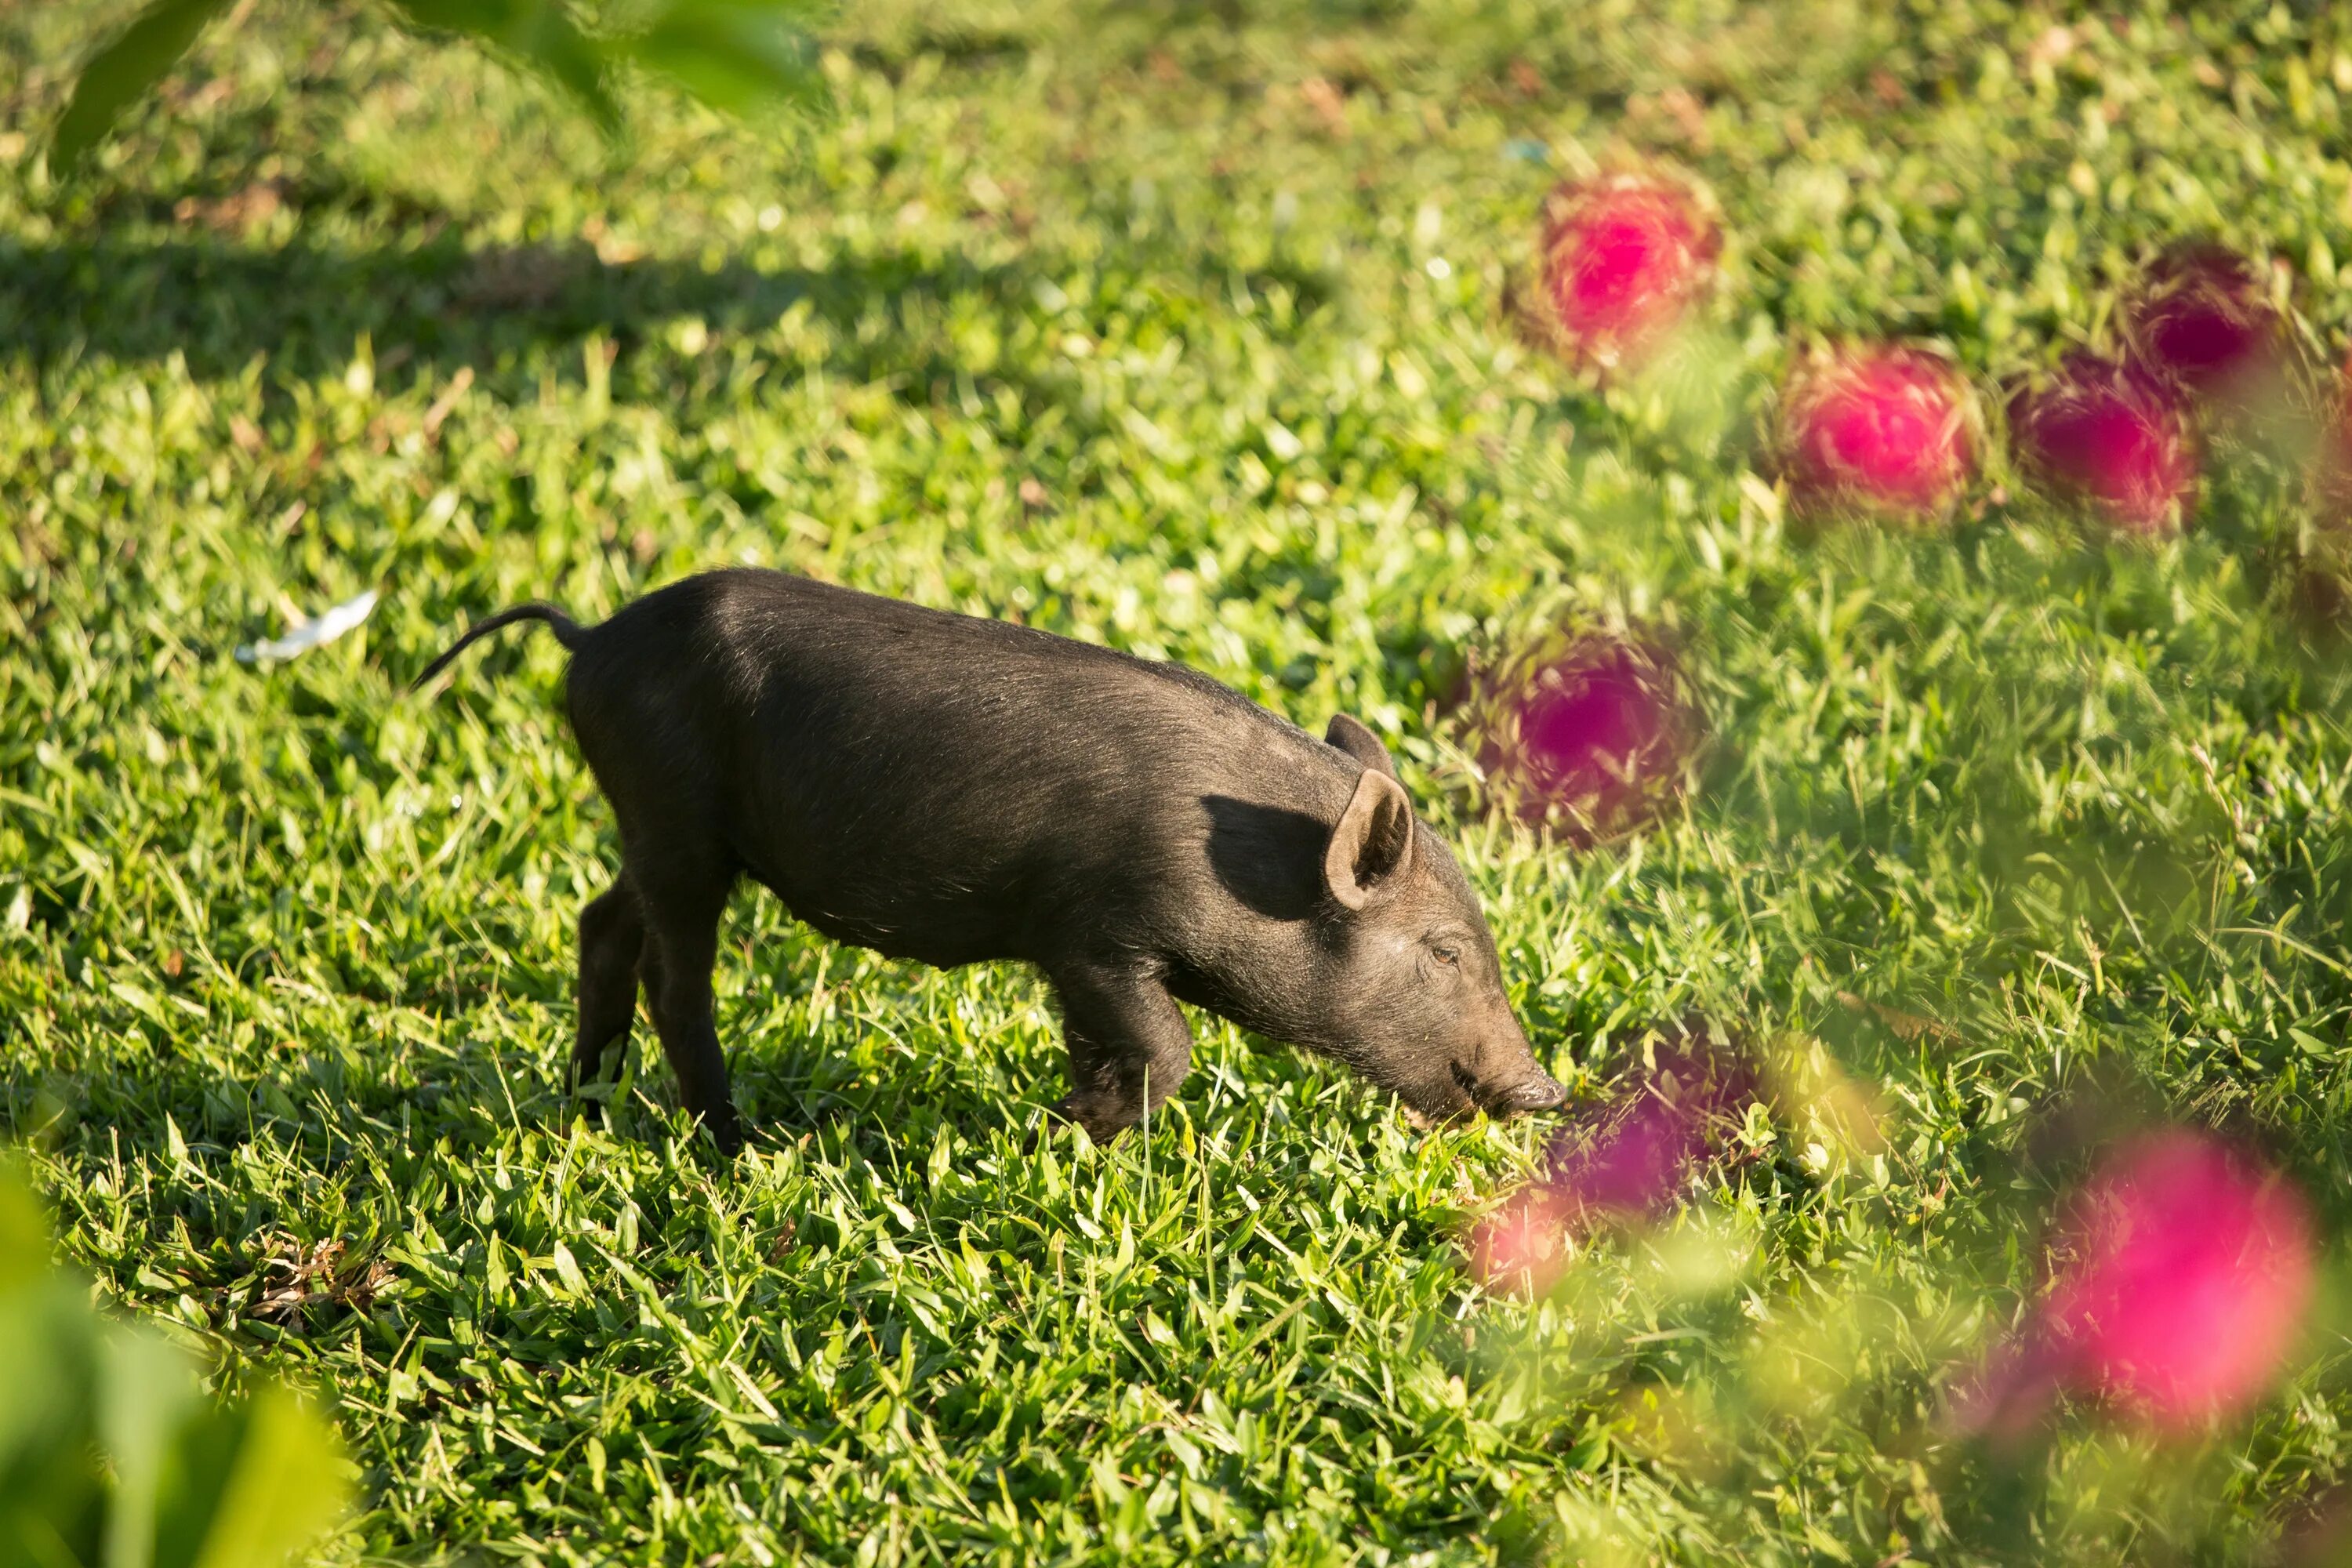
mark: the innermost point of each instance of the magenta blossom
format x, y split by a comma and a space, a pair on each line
1878, 429
2114, 437
2200, 319
2187, 1270
1623, 258
1624, 1160
1630, 1165
1597, 732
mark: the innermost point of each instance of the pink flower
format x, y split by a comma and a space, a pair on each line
2187, 1275
2192, 1271
1523, 1245
1877, 429
1583, 729
1623, 258
2114, 437
1597, 732
1630, 1166
2200, 320
1624, 1161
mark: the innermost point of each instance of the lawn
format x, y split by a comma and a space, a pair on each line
1183, 330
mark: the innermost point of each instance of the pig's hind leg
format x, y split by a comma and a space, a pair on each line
1129, 1046
681, 904
611, 935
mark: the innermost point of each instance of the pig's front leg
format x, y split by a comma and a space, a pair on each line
1129, 1046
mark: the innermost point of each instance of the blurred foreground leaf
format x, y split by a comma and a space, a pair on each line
735, 55
111, 1454
124, 70
541, 32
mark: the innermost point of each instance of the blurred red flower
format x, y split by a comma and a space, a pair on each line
1593, 730
1623, 258
1585, 728
2187, 1270
1624, 1160
1629, 1163
2114, 437
2191, 1271
2200, 319
1879, 429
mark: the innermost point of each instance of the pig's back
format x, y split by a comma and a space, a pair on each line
939, 786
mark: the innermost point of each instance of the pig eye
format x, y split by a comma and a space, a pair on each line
1445, 953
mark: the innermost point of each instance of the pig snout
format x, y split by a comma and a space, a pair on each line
1541, 1093
1510, 1081
1521, 1087
1535, 1090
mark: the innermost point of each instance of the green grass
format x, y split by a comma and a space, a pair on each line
1095, 319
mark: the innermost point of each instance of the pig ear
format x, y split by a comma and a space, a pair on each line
1372, 846
1359, 742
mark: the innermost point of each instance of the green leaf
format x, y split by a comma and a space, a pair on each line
540, 34
51, 1498
125, 69
49, 1485
146, 1393
733, 54
552, 43
282, 1491
24, 1231
193, 1484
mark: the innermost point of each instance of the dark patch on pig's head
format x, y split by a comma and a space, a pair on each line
1410, 987
1265, 857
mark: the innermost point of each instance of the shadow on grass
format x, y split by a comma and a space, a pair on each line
220, 304
305, 305
397, 1101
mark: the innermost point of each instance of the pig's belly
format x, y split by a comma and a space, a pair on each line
944, 932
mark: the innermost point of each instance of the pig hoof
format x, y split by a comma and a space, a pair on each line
726, 1132
1065, 1112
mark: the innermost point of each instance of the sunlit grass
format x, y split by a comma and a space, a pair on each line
1190, 337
